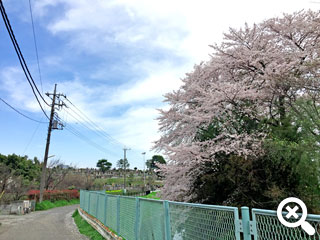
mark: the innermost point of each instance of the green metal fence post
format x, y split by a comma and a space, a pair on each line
167, 220
118, 215
137, 223
105, 212
97, 205
81, 201
246, 223
89, 202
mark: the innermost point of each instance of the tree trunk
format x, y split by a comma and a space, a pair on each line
282, 110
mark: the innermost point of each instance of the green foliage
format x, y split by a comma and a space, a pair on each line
22, 166
45, 205
130, 178
122, 164
115, 192
85, 228
289, 165
137, 181
121, 192
294, 148
152, 195
151, 163
104, 165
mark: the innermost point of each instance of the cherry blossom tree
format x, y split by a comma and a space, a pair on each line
251, 82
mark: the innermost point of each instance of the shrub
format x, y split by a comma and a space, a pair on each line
54, 195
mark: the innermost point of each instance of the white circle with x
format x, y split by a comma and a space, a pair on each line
292, 212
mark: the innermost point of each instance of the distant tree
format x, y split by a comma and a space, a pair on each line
152, 164
135, 168
22, 166
130, 178
104, 165
89, 180
17, 175
123, 164
56, 173
5, 174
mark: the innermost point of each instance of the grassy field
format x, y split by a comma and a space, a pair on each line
85, 228
152, 195
45, 205
137, 181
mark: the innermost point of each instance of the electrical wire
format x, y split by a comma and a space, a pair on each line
21, 112
30, 140
17, 49
35, 44
21, 58
81, 123
90, 129
79, 134
84, 138
93, 124
90, 126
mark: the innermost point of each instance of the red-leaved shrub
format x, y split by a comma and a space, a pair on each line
54, 195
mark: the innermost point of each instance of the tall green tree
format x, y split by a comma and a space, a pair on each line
123, 164
22, 166
152, 163
104, 165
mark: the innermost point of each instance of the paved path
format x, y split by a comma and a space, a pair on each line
54, 224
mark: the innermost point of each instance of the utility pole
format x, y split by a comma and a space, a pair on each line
125, 163
51, 126
144, 168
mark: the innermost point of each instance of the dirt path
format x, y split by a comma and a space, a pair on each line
54, 224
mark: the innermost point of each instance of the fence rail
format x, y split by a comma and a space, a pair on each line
148, 219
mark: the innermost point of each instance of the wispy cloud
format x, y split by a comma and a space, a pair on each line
115, 59
14, 85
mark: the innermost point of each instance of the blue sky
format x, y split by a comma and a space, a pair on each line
114, 60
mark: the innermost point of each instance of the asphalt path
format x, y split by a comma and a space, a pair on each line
53, 224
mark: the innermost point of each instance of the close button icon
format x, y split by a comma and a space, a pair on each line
292, 214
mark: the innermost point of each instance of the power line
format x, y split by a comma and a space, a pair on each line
78, 134
20, 112
35, 44
87, 127
93, 124
90, 127
84, 138
18, 50
32, 136
21, 58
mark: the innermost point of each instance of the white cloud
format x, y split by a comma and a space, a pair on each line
161, 40
14, 83
185, 27
136, 127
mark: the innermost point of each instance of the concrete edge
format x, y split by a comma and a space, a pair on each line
99, 226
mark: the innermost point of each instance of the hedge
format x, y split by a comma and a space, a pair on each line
54, 195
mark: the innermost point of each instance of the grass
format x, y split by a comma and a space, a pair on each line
45, 205
120, 192
137, 181
85, 228
152, 195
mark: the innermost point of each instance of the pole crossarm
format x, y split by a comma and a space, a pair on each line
51, 127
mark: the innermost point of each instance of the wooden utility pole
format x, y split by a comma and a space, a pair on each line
45, 160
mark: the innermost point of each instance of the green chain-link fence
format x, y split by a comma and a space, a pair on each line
147, 219
267, 226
